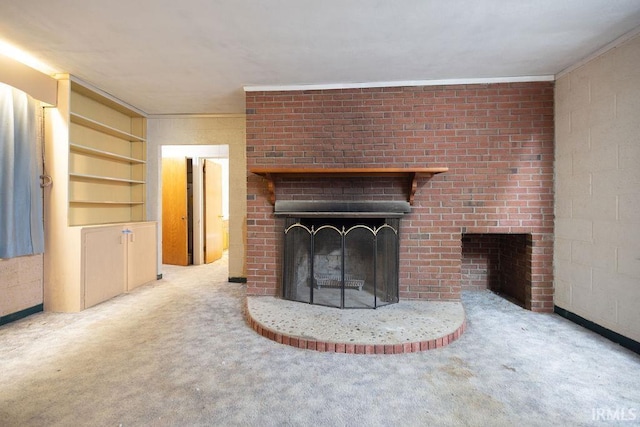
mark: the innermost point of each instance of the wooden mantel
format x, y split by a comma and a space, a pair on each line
411, 174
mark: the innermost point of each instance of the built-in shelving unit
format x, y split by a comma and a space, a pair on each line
409, 173
107, 160
98, 243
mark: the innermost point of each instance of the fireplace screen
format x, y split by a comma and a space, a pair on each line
341, 262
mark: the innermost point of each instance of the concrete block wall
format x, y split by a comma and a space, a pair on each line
597, 247
497, 140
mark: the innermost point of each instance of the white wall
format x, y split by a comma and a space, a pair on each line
40, 86
203, 130
597, 208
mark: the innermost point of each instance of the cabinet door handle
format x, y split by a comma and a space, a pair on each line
125, 232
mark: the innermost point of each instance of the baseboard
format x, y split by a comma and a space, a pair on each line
237, 280
21, 314
600, 330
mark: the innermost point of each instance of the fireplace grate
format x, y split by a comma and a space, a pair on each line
334, 281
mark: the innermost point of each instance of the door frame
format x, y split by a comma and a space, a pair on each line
213, 217
198, 153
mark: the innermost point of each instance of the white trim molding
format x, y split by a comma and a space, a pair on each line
197, 116
364, 85
617, 42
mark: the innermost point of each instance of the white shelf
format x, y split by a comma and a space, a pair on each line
100, 127
105, 202
77, 148
105, 178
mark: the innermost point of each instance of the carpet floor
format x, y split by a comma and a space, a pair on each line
178, 352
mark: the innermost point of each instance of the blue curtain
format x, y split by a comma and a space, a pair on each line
21, 228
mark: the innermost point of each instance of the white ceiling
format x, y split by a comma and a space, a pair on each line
195, 56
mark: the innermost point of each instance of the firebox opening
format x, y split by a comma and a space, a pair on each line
342, 262
500, 263
341, 254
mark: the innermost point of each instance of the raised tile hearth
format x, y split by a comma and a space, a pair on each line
406, 327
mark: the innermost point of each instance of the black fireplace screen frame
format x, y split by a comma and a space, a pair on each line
372, 286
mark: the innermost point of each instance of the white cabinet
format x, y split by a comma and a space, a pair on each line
142, 262
117, 259
103, 251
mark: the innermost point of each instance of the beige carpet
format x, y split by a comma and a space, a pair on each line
178, 353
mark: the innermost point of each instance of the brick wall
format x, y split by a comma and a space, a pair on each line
515, 267
480, 264
497, 141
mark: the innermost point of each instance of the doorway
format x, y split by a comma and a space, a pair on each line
194, 203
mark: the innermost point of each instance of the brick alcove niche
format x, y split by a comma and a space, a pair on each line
500, 263
495, 139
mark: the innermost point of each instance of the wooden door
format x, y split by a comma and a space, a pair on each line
174, 212
213, 227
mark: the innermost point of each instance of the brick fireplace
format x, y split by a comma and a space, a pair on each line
496, 140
